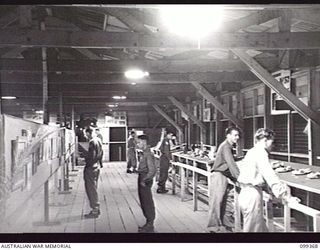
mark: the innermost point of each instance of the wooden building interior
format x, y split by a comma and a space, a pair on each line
260, 68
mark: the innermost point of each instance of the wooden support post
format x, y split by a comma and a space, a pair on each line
287, 217
237, 212
314, 131
219, 131
316, 223
183, 183
289, 135
174, 176
3, 189
267, 108
60, 109
73, 128
211, 141
46, 201
195, 191
44, 81
270, 81
269, 215
308, 202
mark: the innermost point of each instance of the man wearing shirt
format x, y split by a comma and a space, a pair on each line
91, 172
147, 171
165, 158
255, 171
221, 208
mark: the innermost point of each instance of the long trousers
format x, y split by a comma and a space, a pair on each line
251, 206
221, 207
91, 176
146, 200
164, 168
132, 160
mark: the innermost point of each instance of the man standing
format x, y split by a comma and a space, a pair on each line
164, 163
221, 208
132, 160
91, 172
147, 171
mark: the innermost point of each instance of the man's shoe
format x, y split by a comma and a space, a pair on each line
135, 171
162, 191
129, 171
92, 215
147, 228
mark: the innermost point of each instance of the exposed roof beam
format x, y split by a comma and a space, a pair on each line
167, 117
9, 18
209, 97
308, 15
272, 83
87, 53
13, 52
100, 78
124, 16
255, 18
152, 66
86, 39
180, 106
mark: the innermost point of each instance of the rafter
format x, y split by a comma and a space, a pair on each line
105, 79
272, 83
255, 18
86, 39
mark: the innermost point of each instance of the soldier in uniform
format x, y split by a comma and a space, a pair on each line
147, 171
132, 160
164, 163
91, 172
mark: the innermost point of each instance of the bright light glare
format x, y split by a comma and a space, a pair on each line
8, 97
117, 97
112, 105
39, 112
192, 21
135, 74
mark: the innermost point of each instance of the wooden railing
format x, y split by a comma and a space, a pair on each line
184, 175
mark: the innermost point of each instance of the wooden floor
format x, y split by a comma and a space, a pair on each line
120, 209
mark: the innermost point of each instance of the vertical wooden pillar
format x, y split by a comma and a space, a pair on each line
60, 109
219, 131
268, 123
240, 116
45, 116
212, 142
44, 81
314, 129
2, 169
289, 135
73, 128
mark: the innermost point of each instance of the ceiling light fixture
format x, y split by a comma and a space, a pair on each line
133, 83
192, 21
39, 112
113, 105
135, 74
8, 97
117, 97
